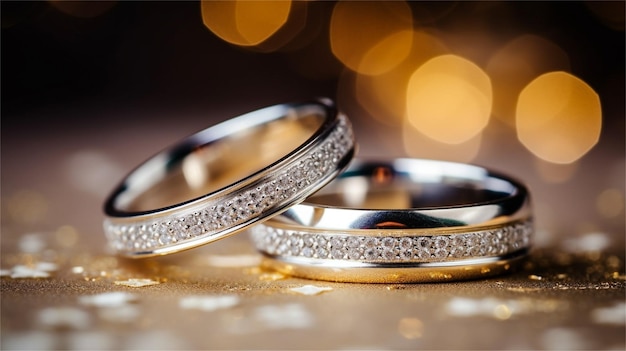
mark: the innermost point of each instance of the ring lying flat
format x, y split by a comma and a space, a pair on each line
227, 177
402, 221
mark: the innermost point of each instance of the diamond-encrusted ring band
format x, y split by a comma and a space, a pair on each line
401, 221
225, 178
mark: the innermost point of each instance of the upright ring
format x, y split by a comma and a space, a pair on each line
402, 221
225, 178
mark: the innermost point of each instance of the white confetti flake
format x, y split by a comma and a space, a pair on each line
78, 270
615, 315
500, 308
21, 272
136, 283
46, 266
290, 316
108, 299
32, 340
208, 302
564, 339
31, 243
590, 242
120, 314
63, 317
233, 261
310, 289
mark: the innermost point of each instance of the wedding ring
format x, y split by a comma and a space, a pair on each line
225, 178
402, 221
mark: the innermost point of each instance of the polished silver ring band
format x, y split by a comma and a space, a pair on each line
225, 178
406, 220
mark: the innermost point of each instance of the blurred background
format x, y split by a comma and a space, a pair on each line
91, 89
536, 90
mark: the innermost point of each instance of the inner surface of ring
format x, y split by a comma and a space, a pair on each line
221, 162
383, 188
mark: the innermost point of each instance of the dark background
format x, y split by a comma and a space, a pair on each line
138, 77
160, 53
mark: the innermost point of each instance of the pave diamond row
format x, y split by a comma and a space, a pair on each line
249, 202
426, 248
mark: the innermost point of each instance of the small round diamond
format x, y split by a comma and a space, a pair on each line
370, 243
388, 243
388, 254
336, 242
441, 253
165, 239
353, 242
322, 241
370, 253
354, 253
423, 255
423, 243
337, 253
441, 242
322, 253
406, 243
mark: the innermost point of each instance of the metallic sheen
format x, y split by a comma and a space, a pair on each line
225, 178
405, 220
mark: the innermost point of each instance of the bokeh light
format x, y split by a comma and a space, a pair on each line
294, 27
515, 65
387, 53
245, 23
384, 96
558, 117
371, 37
82, 9
449, 99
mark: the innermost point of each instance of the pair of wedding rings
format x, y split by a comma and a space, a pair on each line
286, 173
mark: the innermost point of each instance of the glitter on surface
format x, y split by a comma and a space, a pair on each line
136, 282
310, 289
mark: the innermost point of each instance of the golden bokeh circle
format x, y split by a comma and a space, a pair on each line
558, 117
